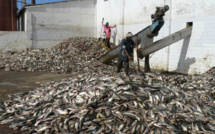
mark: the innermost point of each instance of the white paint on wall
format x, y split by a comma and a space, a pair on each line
13, 41
52, 23
47, 25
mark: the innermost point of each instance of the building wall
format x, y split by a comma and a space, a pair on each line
193, 55
49, 24
13, 41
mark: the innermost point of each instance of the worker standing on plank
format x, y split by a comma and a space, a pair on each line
157, 18
157, 22
125, 53
107, 31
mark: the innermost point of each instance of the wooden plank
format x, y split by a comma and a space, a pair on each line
148, 49
166, 41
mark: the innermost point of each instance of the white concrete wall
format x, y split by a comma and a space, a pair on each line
49, 24
193, 55
13, 41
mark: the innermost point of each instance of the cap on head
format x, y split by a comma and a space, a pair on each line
107, 23
129, 35
166, 7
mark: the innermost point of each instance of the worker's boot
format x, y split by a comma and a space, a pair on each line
125, 77
106, 48
119, 75
155, 33
101, 44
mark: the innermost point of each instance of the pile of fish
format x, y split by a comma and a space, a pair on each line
211, 71
97, 100
66, 57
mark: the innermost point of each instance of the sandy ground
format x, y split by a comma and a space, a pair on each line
14, 82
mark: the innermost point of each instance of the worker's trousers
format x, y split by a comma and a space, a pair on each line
120, 64
160, 24
107, 42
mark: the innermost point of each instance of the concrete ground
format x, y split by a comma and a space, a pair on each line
14, 82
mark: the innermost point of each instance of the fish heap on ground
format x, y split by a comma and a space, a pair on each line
98, 102
211, 71
95, 101
68, 56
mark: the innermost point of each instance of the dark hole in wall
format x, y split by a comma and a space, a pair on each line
189, 24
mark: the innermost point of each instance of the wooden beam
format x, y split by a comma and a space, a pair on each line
166, 41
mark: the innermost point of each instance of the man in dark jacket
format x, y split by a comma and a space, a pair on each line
125, 53
157, 17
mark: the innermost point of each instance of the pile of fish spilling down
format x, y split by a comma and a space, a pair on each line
96, 101
68, 56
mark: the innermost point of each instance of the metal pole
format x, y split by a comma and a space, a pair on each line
23, 3
170, 26
12, 13
123, 17
138, 62
33, 2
